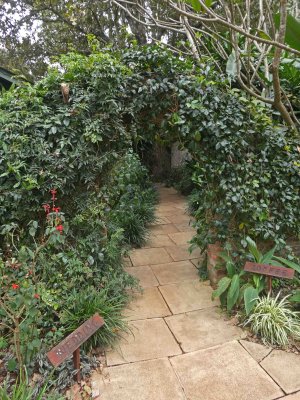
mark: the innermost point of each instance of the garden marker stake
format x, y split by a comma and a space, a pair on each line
270, 271
71, 344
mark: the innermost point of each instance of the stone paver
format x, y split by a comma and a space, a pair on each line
144, 274
180, 238
182, 252
159, 241
257, 351
185, 227
295, 396
161, 221
175, 272
198, 330
149, 256
284, 368
163, 229
149, 304
127, 262
175, 315
188, 296
166, 210
179, 218
225, 372
146, 380
150, 339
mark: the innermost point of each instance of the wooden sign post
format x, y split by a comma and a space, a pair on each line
71, 344
270, 271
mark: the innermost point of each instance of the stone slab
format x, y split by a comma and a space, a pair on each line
197, 262
180, 253
179, 218
181, 238
161, 221
257, 351
159, 241
127, 262
188, 296
149, 339
198, 330
144, 274
166, 210
163, 229
185, 227
284, 368
295, 396
181, 205
225, 372
166, 190
148, 304
146, 380
149, 256
175, 272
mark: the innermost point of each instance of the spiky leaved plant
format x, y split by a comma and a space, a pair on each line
274, 321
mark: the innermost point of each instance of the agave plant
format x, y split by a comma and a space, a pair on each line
273, 320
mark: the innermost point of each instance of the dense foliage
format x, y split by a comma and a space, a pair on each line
58, 252
245, 168
73, 197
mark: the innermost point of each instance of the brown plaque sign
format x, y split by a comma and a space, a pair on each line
72, 342
270, 270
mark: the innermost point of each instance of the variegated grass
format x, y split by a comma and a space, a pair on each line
274, 321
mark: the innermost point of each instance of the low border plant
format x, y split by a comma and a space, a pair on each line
274, 321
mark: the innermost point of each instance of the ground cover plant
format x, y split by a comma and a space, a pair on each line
274, 321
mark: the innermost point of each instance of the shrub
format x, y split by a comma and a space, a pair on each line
238, 287
181, 178
274, 321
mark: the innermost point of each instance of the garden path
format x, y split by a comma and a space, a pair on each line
181, 346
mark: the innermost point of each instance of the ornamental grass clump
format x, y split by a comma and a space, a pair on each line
273, 320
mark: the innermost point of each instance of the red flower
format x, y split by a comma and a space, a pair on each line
53, 192
15, 286
30, 272
59, 228
36, 296
46, 207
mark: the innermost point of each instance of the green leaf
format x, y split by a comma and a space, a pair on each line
250, 296
11, 365
296, 297
289, 263
292, 34
253, 249
267, 258
230, 269
224, 255
195, 4
233, 292
32, 231
231, 66
90, 260
222, 286
263, 34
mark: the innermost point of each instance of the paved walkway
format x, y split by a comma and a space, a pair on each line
181, 346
